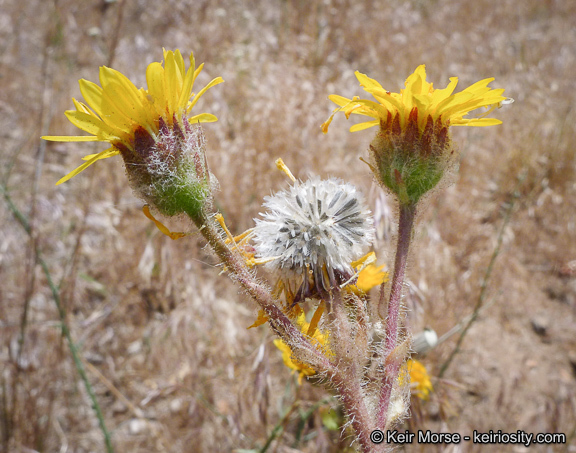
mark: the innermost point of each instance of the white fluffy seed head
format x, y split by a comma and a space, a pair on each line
312, 231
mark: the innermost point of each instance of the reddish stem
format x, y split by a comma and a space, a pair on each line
351, 393
405, 224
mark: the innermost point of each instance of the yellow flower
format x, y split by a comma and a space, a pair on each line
370, 275
317, 337
412, 149
394, 110
419, 379
131, 119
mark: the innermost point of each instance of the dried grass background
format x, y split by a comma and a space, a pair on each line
173, 366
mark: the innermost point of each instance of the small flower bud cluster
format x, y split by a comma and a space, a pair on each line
311, 233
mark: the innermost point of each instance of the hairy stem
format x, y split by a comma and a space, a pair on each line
346, 381
352, 397
348, 378
279, 322
405, 225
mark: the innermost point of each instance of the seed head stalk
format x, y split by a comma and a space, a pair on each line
236, 265
342, 375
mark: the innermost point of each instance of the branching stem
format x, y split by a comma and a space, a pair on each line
347, 383
280, 323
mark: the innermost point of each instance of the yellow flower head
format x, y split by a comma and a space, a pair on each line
152, 129
419, 103
412, 149
120, 114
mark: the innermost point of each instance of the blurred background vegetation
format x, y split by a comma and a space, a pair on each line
163, 336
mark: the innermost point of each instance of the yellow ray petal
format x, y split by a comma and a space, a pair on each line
72, 138
480, 85
481, 122
179, 60
136, 106
388, 100
127, 97
187, 85
442, 94
92, 94
156, 91
92, 125
172, 82
373, 109
214, 82
110, 152
453, 101
105, 106
84, 166
416, 82
111, 76
197, 72
203, 118
339, 100
366, 82
81, 107
472, 104
366, 125
422, 102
